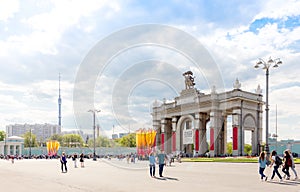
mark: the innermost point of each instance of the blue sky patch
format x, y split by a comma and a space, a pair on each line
289, 23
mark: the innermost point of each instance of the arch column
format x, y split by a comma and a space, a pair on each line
254, 142
162, 135
223, 141
156, 127
215, 128
236, 133
196, 134
174, 125
202, 134
259, 115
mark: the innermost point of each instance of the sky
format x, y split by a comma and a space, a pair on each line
121, 56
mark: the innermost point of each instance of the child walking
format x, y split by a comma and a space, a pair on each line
262, 165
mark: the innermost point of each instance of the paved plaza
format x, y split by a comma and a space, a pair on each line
117, 175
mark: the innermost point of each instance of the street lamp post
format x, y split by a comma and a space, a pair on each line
265, 66
94, 111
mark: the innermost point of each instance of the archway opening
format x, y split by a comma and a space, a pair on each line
187, 141
248, 142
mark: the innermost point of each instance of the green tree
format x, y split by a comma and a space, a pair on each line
248, 149
30, 140
128, 140
2, 135
72, 140
57, 137
101, 141
229, 148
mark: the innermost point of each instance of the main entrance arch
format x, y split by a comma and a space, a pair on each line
182, 124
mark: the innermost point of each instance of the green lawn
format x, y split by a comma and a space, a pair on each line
228, 159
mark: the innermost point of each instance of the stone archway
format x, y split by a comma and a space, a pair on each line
171, 120
249, 124
185, 134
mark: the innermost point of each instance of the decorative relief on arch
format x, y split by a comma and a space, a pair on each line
249, 121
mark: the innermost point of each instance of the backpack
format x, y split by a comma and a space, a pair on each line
289, 162
278, 160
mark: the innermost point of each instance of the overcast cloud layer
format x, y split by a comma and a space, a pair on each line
40, 39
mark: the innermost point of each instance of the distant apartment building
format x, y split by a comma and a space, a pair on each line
122, 134
42, 131
114, 136
117, 136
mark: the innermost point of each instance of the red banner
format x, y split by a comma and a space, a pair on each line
212, 139
235, 138
197, 140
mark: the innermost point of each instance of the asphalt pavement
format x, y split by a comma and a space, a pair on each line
118, 175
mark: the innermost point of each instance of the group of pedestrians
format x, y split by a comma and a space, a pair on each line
63, 161
159, 159
287, 163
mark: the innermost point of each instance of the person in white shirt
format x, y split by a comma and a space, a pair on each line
275, 162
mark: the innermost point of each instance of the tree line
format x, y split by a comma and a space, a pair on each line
75, 140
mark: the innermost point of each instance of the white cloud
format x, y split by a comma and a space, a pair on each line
278, 9
47, 28
8, 8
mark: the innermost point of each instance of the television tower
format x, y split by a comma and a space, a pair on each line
59, 103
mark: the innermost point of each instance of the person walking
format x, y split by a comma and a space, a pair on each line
276, 161
63, 161
81, 160
161, 162
293, 164
75, 160
262, 165
287, 164
152, 164
12, 159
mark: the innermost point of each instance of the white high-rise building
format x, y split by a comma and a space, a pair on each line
42, 131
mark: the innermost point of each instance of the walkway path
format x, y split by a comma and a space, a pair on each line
115, 175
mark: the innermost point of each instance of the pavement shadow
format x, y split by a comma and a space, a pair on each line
167, 178
290, 183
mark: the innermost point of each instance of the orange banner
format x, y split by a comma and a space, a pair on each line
145, 140
52, 147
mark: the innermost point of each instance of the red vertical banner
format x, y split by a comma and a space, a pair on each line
162, 141
235, 138
212, 139
197, 139
174, 141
